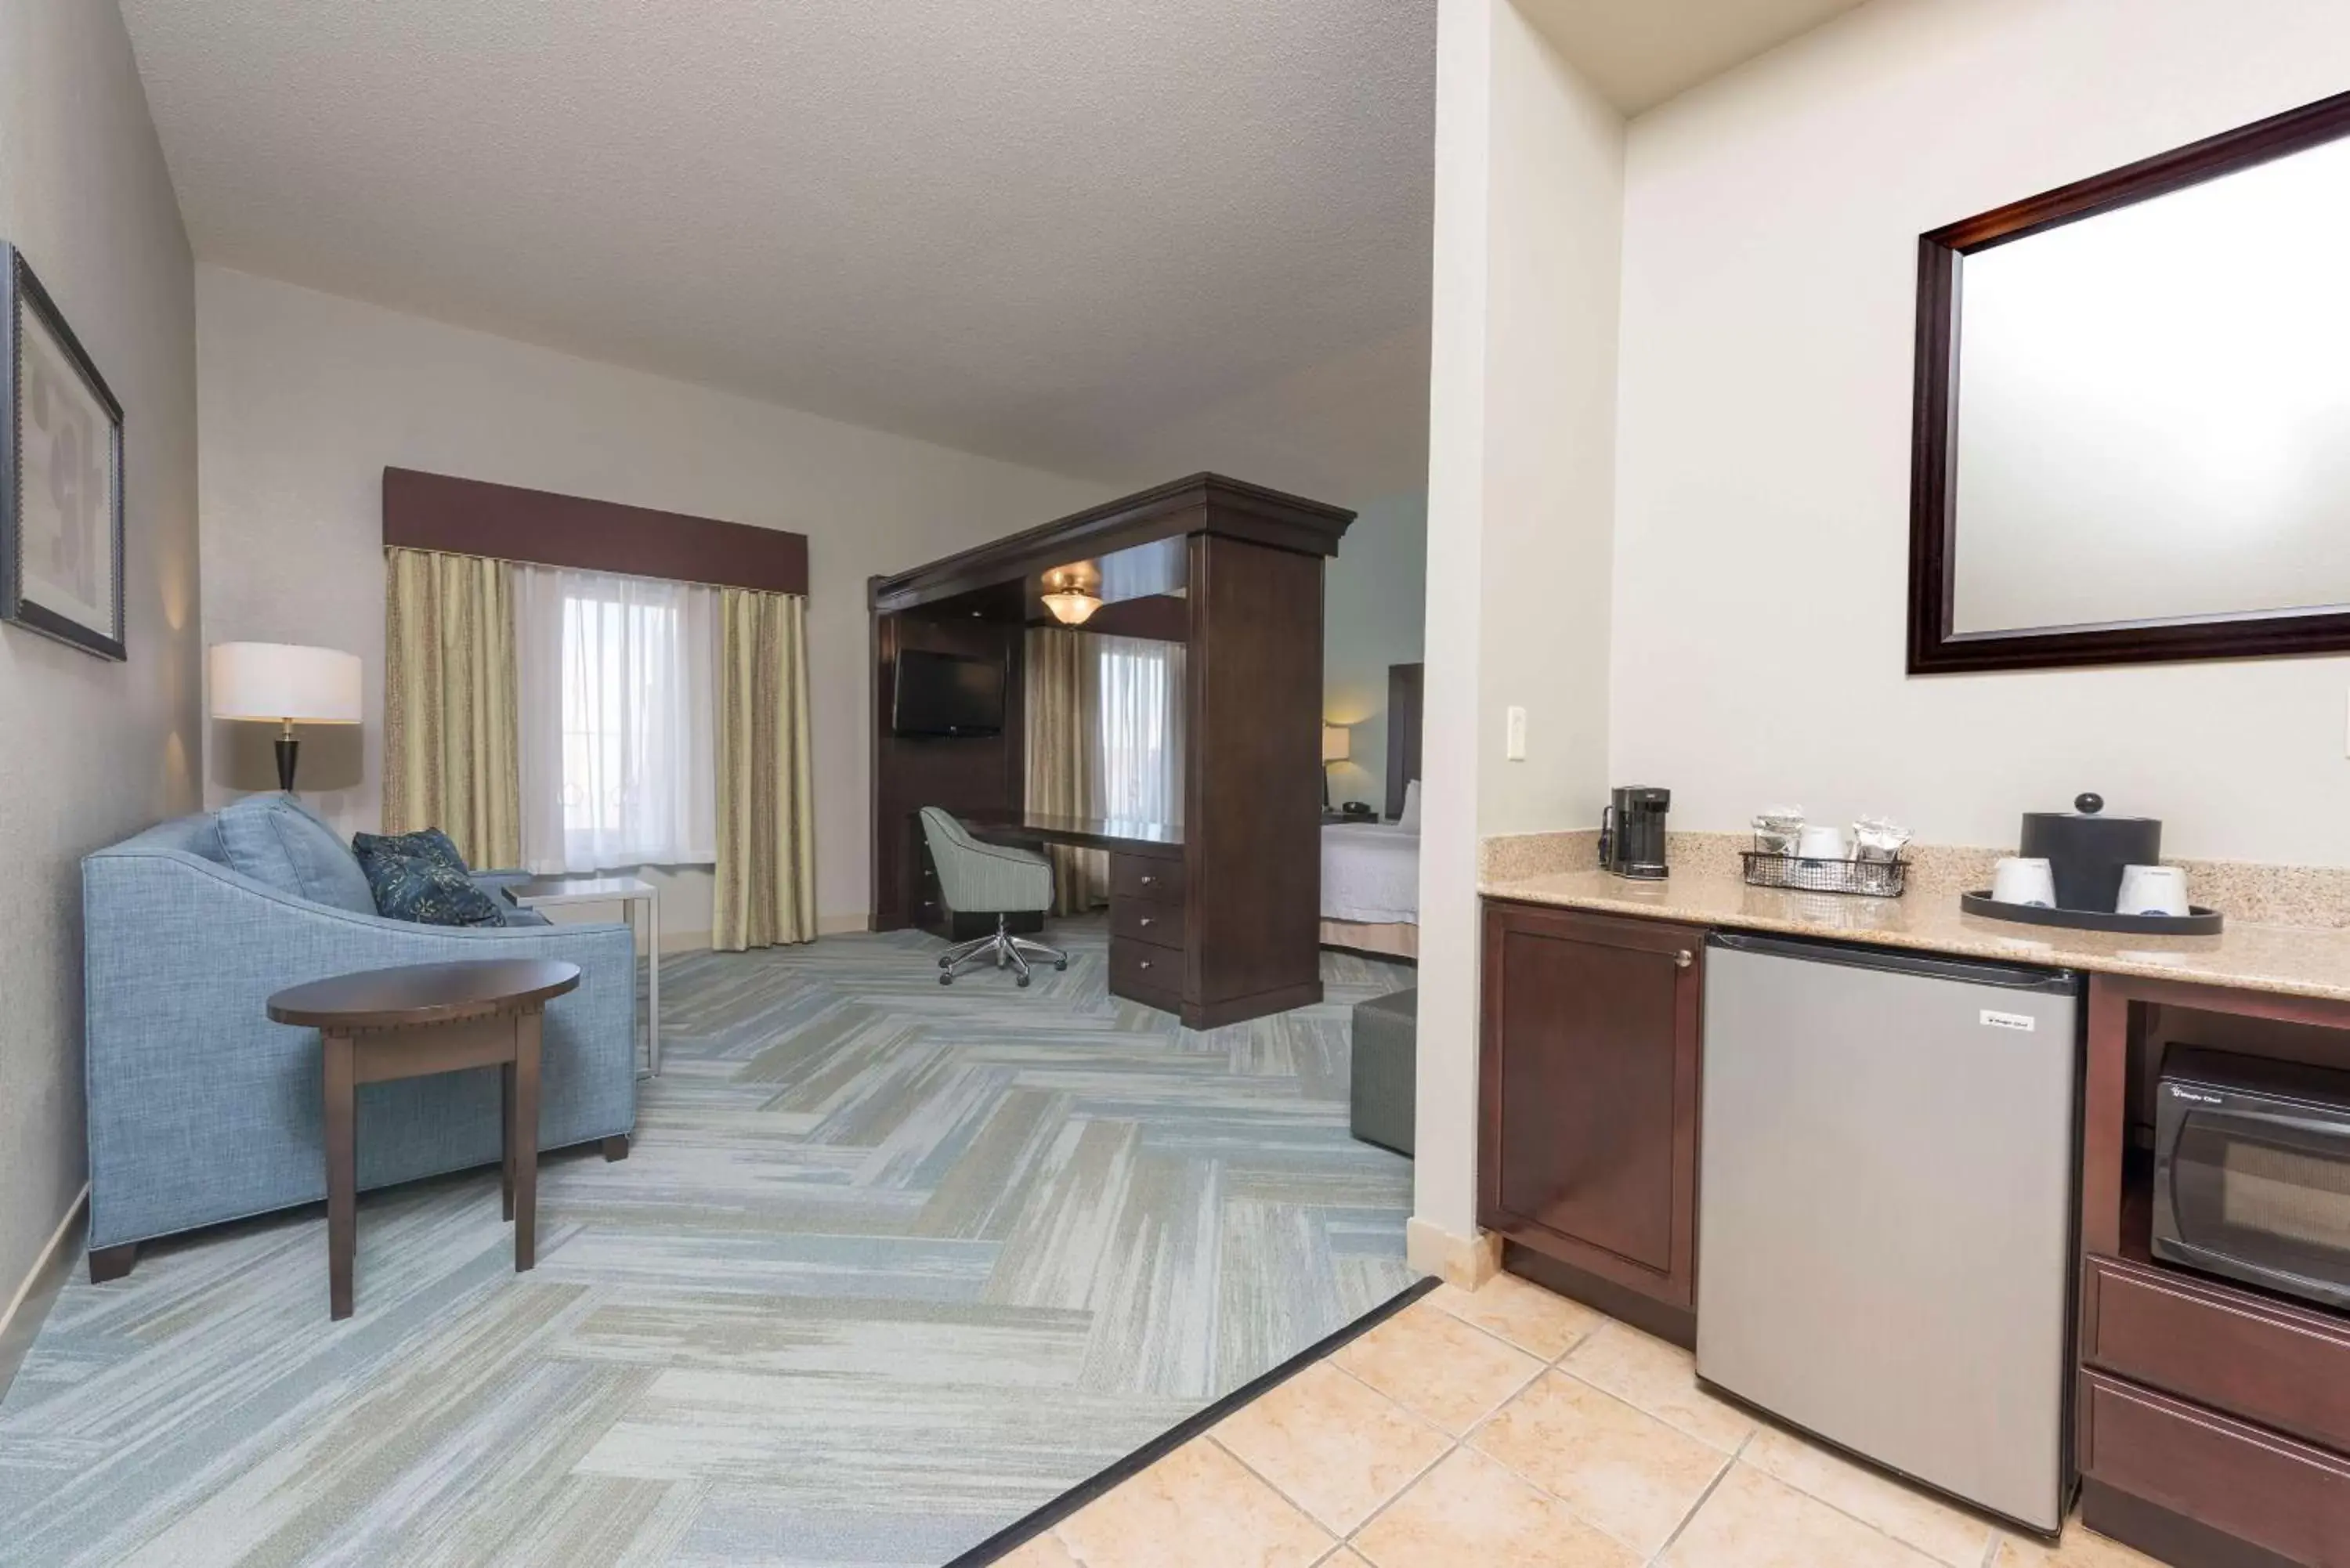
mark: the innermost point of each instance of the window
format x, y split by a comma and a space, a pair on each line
1139, 738
617, 720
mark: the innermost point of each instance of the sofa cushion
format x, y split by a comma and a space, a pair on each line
422, 877
274, 840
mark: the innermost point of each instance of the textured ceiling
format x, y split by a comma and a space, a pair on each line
1641, 52
1037, 230
1100, 237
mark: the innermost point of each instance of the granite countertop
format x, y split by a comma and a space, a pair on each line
2296, 961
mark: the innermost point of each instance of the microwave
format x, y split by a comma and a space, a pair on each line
2251, 1172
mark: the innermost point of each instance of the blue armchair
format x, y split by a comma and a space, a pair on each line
202, 1110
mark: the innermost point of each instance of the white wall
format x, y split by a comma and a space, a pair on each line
1374, 604
93, 751
1528, 203
1770, 259
1348, 430
306, 398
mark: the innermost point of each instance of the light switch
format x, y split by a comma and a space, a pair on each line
1515, 747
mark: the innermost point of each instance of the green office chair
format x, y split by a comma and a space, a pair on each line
988, 878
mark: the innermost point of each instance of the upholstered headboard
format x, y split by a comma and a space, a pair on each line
1403, 734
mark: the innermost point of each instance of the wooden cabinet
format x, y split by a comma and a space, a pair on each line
2286, 1499
1588, 1103
1148, 963
2213, 1420
2242, 1353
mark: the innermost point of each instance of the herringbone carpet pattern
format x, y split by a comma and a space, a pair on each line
890, 1265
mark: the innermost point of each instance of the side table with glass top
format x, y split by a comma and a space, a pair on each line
549, 892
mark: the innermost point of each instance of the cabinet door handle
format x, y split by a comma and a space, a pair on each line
1150, 881
1147, 920
1683, 959
1144, 964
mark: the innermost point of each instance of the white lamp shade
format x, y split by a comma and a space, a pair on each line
279, 682
1337, 742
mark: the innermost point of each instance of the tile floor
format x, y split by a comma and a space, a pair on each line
1512, 1428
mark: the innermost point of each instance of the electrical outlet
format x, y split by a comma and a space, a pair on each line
1515, 748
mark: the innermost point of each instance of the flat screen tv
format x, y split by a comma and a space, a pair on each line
947, 694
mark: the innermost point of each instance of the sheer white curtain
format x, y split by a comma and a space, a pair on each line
618, 720
1139, 738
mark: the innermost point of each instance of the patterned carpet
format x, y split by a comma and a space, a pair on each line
890, 1265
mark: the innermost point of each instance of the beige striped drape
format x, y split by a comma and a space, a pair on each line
450, 737
766, 890
1063, 686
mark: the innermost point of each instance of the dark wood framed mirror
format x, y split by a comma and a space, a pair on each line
2132, 436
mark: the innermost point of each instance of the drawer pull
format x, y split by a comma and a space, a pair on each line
1147, 920
1144, 964
1150, 881
1683, 959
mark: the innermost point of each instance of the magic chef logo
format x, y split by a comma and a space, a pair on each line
2178, 1093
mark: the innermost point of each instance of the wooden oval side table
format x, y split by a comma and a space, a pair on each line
383, 1025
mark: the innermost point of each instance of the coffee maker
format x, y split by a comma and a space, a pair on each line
1632, 832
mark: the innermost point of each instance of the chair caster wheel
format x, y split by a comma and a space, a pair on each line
1060, 963
946, 980
1020, 980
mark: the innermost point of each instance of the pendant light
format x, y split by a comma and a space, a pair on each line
1067, 597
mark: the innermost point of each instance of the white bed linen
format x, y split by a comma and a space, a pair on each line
1370, 873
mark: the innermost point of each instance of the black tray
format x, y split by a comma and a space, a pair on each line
2197, 922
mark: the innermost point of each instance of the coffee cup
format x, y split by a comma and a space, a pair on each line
2152, 891
2016, 880
1822, 842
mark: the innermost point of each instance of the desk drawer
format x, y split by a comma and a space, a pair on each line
1146, 972
1160, 925
2271, 1363
2260, 1488
1146, 877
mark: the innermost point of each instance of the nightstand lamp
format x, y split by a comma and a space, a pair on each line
283, 685
1338, 745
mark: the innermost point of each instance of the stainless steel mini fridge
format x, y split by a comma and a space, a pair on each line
1886, 1231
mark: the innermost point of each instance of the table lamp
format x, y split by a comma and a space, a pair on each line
280, 683
1338, 745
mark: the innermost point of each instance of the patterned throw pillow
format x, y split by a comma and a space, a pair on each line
425, 844
420, 877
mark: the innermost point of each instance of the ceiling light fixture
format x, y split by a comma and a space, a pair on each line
1067, 595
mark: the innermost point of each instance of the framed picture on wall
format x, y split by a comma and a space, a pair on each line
60, 474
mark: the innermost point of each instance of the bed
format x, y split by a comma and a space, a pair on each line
1370, 869
1370, 888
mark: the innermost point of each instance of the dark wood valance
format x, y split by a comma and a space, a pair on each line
474, 518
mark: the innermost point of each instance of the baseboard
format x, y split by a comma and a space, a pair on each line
1467, 1261
29, 1307
2165, 1536
1677, 1325
825, 925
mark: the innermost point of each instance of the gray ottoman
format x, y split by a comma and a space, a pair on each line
1385, 1058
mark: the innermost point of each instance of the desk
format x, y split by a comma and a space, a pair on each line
1150, 956
1119, 835
1234, 573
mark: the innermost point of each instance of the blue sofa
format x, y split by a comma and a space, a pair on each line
202, 1110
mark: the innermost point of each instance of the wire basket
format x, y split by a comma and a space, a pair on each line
1869, 879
